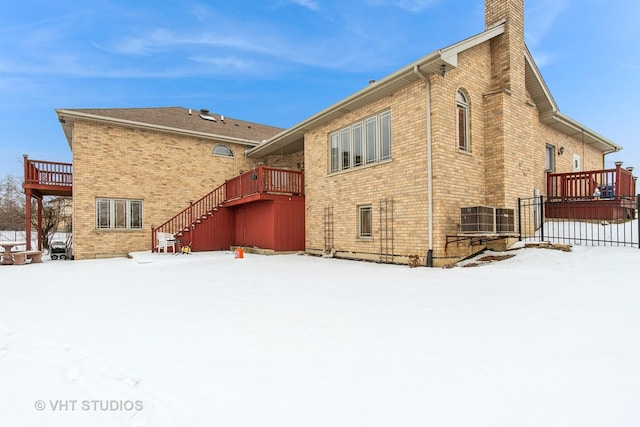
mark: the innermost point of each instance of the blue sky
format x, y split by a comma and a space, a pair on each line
278, 62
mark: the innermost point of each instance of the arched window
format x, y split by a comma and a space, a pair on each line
222, 150
462, 121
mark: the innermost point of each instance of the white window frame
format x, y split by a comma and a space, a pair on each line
577, 163
358, 145
363, 233
345, 148
371, 140
362, 143
550, 158
334, 152
462, 113
119, 214
226, 151
384, 132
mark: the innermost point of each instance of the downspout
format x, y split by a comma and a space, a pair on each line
429, 261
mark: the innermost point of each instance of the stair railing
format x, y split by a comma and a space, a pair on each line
187, 219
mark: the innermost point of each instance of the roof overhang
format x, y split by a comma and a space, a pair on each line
552, 117
68, 117
292, 139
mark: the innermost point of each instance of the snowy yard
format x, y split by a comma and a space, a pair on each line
546, 338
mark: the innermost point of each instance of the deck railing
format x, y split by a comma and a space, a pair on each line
604, 183
265, 180
40, 172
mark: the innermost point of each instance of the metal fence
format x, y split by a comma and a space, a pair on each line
594, 222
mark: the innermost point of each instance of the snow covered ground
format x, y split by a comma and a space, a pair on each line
546, 338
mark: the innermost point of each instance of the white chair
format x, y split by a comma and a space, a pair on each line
165, 241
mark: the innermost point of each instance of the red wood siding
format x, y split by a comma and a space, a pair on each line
277, 223
214, 233
289, 224
254, 225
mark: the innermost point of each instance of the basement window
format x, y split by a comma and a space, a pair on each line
222, 150
365, 222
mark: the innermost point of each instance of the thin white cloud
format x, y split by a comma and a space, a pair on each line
309, 4
541, 17
408, 5
542, 59
156, 40
217, 44
229, 64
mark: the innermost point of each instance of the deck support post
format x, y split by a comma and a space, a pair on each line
39, 224
27, 218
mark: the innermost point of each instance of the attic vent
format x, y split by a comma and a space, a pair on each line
484, 219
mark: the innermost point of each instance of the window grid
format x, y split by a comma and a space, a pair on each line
222, 150
365, 222
118, 214
362, 143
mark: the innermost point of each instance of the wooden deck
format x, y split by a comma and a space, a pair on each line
44, 178
48, 178
263, 180
606, 194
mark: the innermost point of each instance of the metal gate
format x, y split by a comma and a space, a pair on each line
595, 222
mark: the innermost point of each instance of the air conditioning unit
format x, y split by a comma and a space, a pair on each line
505, 221
486, 219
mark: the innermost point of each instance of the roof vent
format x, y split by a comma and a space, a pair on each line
207, 117
204, 111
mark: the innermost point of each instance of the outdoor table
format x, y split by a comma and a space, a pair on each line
7, 257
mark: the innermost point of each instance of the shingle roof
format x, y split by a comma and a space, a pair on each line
177, 119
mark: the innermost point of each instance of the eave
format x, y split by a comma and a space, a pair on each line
292, 139
67, 118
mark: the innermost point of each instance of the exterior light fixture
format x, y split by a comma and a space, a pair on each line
443, 70
560, 151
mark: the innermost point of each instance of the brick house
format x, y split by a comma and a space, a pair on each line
387, 170
134, 168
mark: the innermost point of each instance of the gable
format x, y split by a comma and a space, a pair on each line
443, 60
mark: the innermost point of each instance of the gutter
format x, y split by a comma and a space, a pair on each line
220, 138
429, 260
611, 146
370, 93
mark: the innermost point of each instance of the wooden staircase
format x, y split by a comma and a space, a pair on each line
182, 225
215, 216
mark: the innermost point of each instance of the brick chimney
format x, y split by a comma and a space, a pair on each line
507, 50
508, 123
511, 10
